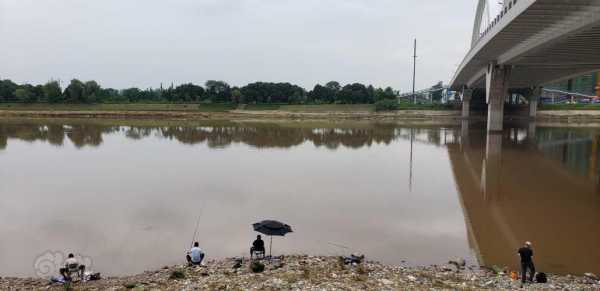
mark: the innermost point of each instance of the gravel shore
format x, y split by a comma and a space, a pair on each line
310, 273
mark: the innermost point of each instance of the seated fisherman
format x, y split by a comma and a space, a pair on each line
257, 246
195, 255
72, 266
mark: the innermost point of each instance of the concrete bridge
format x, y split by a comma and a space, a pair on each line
528, 44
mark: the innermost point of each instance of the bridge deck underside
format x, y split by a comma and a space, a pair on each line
543, 41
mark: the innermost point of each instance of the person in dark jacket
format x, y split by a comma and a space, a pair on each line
72, 266
526, 254
257, 246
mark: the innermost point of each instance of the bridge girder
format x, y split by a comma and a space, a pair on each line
543, 41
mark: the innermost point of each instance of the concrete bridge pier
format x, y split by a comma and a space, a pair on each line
496, 91
533, 104
534, 100
467, 94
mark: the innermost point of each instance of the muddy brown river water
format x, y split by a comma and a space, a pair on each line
125, 195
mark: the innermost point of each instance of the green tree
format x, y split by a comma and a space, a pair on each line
322, 94
110, 94
218, 91
389, 93
22, 94
27, 93
237, 96
52, 92
371, 93
75, 91
263, 92
353, 94
188, 92
132, 94
379, 94
334, 85
91, 91
38, 92
386, 105
7, 90
150, 95
296, 98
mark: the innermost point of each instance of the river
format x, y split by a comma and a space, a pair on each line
125, 195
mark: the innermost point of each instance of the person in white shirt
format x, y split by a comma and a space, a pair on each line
195, 255
71, 265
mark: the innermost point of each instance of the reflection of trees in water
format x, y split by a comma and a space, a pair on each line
56, 134
137, 132
280, 137
3, 141
80, 135
352, 138
259, 136
31, 133
575, 149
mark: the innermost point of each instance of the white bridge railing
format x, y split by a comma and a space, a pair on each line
568, 93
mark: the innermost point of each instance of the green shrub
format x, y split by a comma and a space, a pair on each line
130, 285
386, 105
177, 274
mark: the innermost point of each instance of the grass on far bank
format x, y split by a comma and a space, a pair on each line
204, 107
320, 108
210, 107
329, 108
260, 107
570, 107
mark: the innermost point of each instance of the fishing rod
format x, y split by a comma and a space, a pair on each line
197, 225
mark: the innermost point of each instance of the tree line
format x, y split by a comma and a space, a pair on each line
212, 92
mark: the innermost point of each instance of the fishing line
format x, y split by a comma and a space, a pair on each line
197, 224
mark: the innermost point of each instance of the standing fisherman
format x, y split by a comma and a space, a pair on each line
526, 254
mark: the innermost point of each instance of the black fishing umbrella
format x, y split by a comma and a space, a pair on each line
271, 228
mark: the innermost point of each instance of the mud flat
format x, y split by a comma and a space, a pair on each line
240, 114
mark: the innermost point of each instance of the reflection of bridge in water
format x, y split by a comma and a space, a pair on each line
515, 188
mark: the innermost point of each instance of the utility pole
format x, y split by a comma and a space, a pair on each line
414, 72
412, 132
410, 177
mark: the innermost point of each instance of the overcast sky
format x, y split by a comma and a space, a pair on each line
124, 43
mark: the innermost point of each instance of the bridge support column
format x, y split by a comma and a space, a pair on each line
467, 94
496, 90
533, 104
534, 101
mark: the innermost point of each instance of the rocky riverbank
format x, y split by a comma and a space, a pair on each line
311, 273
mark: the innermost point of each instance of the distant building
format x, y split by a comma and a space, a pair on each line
588, 84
